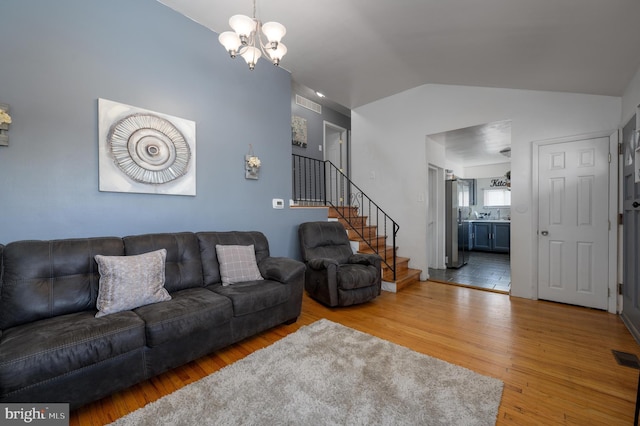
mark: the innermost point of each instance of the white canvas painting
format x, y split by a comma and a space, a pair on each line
145, 151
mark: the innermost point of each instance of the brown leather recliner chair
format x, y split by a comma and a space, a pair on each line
335, 276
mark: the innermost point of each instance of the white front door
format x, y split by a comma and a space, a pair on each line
573, 222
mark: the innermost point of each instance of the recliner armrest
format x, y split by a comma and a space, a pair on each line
365, 259
282, 269
321, 263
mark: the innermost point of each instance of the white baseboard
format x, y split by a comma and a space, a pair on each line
390, 287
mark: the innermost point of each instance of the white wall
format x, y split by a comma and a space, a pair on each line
487, 171
389, 144
631, 98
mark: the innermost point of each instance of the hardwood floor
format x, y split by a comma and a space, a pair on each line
555, 360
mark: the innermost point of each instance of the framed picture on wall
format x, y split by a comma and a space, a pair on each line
146, 152
299, 131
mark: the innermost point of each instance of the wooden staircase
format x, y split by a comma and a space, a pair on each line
405, 276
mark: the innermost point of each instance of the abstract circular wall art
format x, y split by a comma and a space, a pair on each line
149, 149
144, 151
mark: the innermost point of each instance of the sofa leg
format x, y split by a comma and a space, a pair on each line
291, 321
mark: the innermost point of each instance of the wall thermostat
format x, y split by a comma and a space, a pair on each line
278, 203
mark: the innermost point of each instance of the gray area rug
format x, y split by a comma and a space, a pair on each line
329, 374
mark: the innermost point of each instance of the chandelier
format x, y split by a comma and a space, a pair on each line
248, 33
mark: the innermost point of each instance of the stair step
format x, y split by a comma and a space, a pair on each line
366, 231
356, 221
386, 254
378, 243
343, 211
407, 278
402, 265
401, 270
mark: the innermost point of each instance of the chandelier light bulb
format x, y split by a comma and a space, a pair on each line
243, 26
251, 56
274, 31
231, 42
278, 53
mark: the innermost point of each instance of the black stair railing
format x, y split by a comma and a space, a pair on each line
321, 183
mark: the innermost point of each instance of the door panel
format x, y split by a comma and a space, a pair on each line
573, 222
631, 233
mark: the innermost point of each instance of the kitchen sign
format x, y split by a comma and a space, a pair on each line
498, 182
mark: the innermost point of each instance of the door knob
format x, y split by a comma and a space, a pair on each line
544, 233
635, 204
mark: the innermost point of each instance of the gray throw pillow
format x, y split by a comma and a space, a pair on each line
128, 282
237, 264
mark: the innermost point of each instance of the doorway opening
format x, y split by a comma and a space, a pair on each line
335, 149
478, 157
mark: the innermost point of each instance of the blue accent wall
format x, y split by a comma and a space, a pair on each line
58, 57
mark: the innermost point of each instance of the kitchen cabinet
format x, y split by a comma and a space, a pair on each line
492, 236
502, 237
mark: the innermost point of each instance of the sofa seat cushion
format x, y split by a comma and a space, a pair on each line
188, 311
253, 296
42, 350
352, 276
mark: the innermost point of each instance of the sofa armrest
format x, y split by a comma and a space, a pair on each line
365, 259
321, 263
282, 269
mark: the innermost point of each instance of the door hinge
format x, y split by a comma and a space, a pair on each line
340, 141
620, 149
620, 219
609, 157
619, 288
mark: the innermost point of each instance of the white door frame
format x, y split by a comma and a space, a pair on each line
341, 195
435, 248
343, 136
613, 209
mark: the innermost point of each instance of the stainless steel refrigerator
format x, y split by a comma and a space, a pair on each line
456, 196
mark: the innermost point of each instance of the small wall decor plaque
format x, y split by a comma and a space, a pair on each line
251, 165
144, 151
5, 120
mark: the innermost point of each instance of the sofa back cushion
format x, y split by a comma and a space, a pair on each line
183, 268
209, 240
328, 240
43, 279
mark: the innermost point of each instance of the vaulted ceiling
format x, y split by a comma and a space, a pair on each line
358, 51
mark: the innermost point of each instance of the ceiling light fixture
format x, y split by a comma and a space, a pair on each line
247, 34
